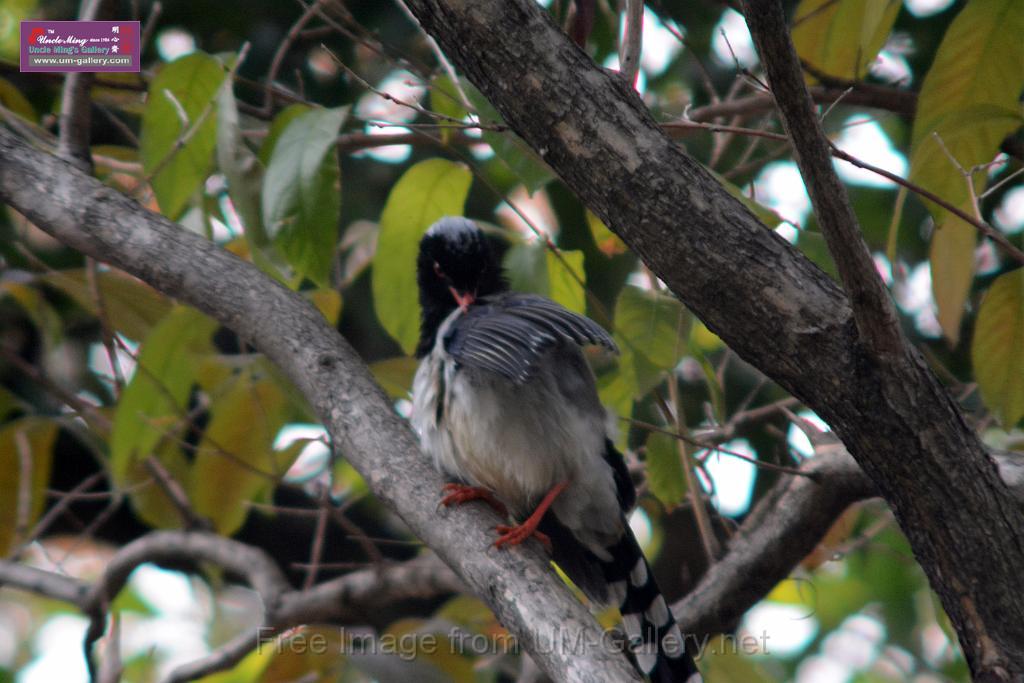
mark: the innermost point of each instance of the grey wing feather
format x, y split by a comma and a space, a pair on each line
509, 334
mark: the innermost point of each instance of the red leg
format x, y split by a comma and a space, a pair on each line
514, 535
457, 494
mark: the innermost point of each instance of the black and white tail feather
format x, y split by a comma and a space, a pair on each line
504, 400
619, 575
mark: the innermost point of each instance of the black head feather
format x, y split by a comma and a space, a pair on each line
454, 254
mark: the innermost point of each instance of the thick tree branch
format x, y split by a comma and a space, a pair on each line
767, 301
526, 596
782, 530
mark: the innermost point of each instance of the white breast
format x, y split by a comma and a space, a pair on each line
519, 440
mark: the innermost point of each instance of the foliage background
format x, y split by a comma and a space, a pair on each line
292, 181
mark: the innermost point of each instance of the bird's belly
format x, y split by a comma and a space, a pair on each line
518, 440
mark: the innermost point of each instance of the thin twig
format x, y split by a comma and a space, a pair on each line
106, 329
24, 504
632, 40
982, 227
673, 414
282, 51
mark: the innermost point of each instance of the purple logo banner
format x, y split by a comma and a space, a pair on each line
80, 46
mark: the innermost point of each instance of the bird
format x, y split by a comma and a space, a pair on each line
506, 404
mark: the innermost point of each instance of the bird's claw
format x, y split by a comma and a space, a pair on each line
514, 535
457, 494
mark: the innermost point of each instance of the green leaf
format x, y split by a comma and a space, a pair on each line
665, 474
526, 267
234, 461
970, 100
153, 402
444, 99
12, 99
843, 38
281, 121
12, 13
763, 213
980, 62
426, 192
652, 323
533, 268
240, 166
11, 403
394, 375
565, 279
301, 196
509, 147
35, 436
131, 306
972, 136
193, 80
46, 320
997, 349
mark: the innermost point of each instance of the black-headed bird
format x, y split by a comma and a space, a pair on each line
506, 405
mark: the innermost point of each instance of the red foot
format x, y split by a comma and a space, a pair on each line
514, 535
461, 493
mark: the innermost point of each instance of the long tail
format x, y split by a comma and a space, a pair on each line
655, 638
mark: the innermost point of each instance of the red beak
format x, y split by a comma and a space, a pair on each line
463, 299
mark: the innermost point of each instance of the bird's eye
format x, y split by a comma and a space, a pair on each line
437, 270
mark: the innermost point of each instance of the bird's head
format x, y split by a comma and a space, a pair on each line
456, 265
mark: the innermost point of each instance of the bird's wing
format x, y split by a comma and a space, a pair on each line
509, 334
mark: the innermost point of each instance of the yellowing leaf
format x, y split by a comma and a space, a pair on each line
426, 192
11, 98
980, 62
234, 461
565, 279
153, 403
997, 349
33, 437
328, 302
131, 306
179, 152
394, 375
607, 241
952, 264
842, 38
969, 102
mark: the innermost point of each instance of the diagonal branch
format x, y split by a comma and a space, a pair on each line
526, 596
767, 302
781, 531
75, 113
344, 600
873, 310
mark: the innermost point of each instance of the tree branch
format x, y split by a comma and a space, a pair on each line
767, 301
526, 596
873, 310
344, 600
782, 530
76, 105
